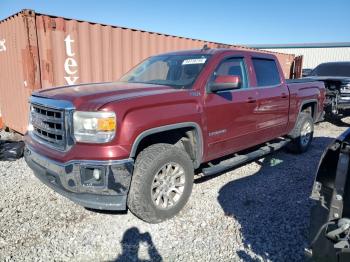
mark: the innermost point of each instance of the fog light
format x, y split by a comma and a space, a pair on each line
97, 174
93, 176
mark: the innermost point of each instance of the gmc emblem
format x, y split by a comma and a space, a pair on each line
38, 122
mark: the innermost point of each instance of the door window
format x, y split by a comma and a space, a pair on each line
266, 72
233, 67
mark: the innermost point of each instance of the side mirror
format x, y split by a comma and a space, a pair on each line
225, 82
306, 72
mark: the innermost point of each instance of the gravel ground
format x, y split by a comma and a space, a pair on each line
258, 212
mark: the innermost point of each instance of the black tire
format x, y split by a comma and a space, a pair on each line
148, 163
298, 144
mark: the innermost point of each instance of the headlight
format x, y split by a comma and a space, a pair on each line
94, 127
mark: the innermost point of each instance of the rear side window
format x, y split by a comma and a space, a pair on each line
266, 72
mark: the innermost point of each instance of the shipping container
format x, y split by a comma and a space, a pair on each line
40, 51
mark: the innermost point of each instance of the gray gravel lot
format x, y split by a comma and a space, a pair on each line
258, 212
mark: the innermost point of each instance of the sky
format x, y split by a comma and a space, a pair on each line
230, 22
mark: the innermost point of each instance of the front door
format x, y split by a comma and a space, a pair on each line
230, 115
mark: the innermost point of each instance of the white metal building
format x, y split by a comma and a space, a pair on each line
313, 54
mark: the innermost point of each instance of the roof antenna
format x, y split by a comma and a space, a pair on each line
205, 47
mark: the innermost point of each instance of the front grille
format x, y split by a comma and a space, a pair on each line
49, 125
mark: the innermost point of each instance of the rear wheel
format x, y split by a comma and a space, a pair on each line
302, 134
161, 184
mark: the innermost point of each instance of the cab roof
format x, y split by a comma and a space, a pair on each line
216, 51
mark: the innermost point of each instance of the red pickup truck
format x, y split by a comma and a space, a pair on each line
137, 143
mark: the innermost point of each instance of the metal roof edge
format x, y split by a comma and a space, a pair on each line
23, 12
301, 45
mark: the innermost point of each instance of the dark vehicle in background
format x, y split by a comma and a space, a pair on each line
336, 77
330, 217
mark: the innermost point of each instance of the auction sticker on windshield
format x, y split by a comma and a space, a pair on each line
194, 61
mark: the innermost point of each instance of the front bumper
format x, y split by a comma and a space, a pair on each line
75, 180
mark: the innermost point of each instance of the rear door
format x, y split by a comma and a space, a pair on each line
273, 99
230, 114
297, 67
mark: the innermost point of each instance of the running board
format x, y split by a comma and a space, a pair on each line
240, 159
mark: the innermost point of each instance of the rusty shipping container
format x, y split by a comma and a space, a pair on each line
40, 51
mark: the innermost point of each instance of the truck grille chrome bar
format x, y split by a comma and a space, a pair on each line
50, 123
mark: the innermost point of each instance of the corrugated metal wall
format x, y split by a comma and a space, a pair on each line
76, 52
316, 56
69, 52
95, 52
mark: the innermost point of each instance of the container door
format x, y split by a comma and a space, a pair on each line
297, 66
19, 68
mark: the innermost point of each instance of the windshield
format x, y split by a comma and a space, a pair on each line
332, 69
179, 71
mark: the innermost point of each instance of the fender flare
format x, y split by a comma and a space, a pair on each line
159, 129
307, 102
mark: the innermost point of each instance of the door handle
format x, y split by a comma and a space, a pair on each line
284, 95
251, 100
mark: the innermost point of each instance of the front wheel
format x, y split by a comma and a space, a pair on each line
302, 134
161, 184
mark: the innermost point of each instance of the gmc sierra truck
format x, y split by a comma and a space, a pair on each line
137, 143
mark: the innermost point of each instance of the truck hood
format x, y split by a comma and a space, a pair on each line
93, 96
